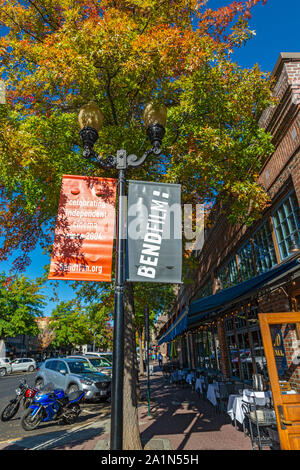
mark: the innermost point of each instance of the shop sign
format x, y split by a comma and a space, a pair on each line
278, 349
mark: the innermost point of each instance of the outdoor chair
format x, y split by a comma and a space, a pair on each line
256, 422
223, 398
238, 386
166, 372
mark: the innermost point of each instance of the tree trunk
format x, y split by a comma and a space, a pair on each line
131, 431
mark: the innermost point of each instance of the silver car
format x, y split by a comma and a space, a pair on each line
5, 366
100, 363
72, 375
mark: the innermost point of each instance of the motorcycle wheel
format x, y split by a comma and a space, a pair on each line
26, 402
9, 411
71, 414
29, 422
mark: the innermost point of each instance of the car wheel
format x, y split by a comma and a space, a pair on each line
30, 369
2, 372
72, 388
39, 383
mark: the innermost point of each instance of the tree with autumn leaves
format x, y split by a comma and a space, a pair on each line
58, 55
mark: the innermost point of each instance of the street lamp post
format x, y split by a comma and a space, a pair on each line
90, 121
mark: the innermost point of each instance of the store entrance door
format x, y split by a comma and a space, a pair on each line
281, 339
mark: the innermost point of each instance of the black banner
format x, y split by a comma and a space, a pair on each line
154, 232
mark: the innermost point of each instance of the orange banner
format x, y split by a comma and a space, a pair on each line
84, 233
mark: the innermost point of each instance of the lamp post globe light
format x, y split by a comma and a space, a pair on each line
90, 120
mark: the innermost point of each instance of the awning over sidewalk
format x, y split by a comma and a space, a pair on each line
214, 303
203, 307
175, 329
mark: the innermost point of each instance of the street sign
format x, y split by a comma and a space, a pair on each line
84, 232
154, 232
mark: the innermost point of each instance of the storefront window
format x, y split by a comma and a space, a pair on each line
206, 348
287, 224
244, 345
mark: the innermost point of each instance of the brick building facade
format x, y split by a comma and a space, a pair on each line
260, 260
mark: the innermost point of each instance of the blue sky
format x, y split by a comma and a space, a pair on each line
277, 26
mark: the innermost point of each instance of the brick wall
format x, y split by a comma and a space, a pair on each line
280, 171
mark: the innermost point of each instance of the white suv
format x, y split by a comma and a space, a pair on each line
5, 366
23, 364
106, 355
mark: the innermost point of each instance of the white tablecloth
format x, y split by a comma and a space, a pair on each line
260, 398
177, 375
234, 407
199, 384
213, 393
230, 405
189, 377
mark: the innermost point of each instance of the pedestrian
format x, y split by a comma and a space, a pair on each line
160, 359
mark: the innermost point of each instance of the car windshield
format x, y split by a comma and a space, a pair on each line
100, 362
81, 367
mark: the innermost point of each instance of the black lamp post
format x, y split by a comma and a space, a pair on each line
90, 120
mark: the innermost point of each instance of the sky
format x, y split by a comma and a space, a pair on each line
277, 26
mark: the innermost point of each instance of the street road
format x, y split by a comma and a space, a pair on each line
91, 422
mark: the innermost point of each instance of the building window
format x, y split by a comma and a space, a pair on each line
264, 250
247, 269
229, 274
287, 224
222, 275
205, 291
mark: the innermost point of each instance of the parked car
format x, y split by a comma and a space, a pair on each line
5, 366
24, 364
99, 363
103, 364
106, 355
72, 375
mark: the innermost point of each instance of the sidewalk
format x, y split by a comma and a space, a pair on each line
179, 420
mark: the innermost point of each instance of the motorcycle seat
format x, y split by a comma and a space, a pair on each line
75, 395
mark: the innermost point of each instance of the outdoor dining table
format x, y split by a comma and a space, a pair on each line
177, 375
230, 408
199, 384
213, 393
235, 409
190, 377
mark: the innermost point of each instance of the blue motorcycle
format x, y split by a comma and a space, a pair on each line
50, 404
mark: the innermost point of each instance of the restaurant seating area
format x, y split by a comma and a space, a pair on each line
249, 406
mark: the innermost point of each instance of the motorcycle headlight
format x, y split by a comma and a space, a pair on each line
18, 391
